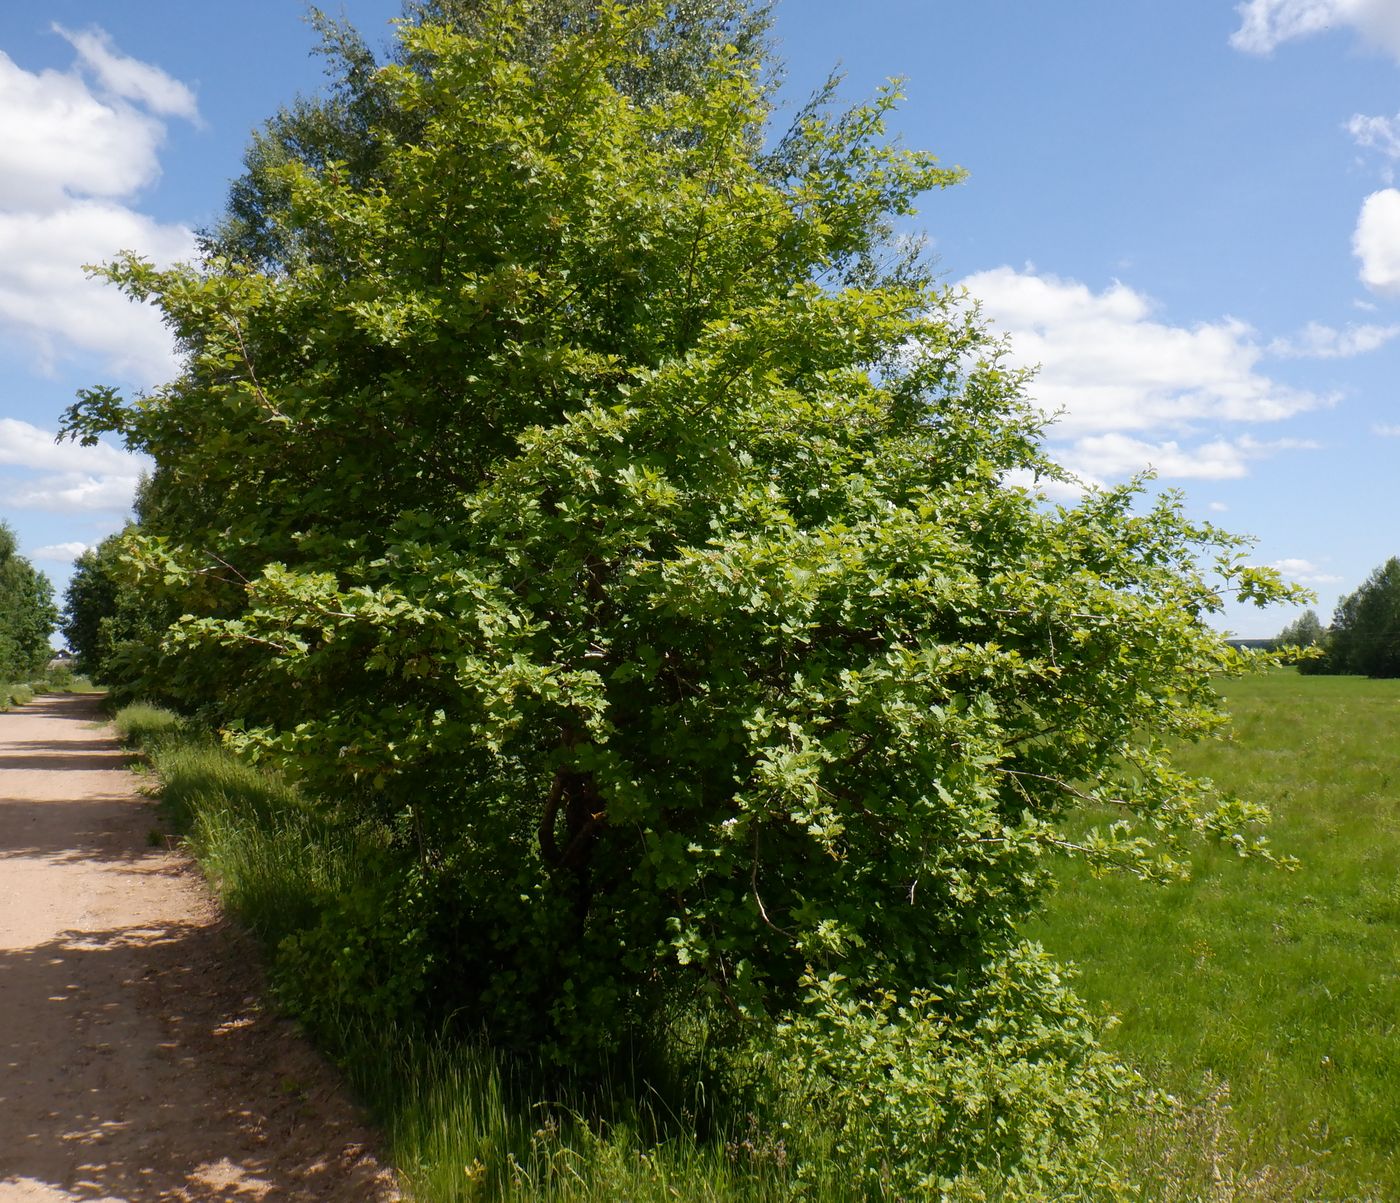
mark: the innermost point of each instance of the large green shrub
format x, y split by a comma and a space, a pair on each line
592, 504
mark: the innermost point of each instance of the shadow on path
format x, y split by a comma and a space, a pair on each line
137, 1063
146, 1075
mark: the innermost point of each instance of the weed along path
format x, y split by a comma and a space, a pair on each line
136, 1063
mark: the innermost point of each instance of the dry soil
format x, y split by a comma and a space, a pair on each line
137, 1062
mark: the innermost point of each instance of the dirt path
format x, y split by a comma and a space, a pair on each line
136, 1066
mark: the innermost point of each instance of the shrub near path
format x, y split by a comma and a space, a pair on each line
138, 1066
1270, 1002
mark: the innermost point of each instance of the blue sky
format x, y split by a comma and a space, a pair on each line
1187, 214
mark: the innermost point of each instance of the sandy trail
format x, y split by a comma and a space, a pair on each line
136, 1062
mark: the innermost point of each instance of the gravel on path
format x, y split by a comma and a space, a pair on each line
138, 1063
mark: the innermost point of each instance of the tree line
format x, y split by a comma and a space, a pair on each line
27, 614
1363, 638
591, 488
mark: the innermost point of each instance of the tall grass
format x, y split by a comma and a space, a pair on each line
462, 1122
1268, 1003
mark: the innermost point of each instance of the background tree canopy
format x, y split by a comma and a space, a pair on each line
618, 516
1364, 637
27, 614
111, 623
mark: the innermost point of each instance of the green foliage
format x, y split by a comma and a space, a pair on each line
111, 622
27, 614
1006, 1076
1304, 631
15, 695
1365, 634
1304, 642
353, 126
604, 512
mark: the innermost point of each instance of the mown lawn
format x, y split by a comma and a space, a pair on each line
1267, 1002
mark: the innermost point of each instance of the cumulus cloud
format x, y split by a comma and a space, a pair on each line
59, 553
1267, 24
47, 300
79, 146
72, 493
1107, 365
1132, 391
1317, 341
1107, 457
62, 140
129, 78
1376, 241
38, 473
1305, 572
23, 445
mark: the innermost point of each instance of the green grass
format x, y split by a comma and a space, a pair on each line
15, 695
145, 727
1267, 1002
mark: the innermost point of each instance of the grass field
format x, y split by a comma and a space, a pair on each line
1267, 1002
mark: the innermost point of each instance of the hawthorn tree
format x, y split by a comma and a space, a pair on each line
606, 509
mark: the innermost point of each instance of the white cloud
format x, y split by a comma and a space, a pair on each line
1376, 133
61, 140
1376, 241
1217, 507
75, 150
1317, 341
60, 553
75, 478
1305, 572
25, 446
1386, 430
47, 300
1108, 366
1267, 24
1132, 391
130, 78
72, 493
1106, 457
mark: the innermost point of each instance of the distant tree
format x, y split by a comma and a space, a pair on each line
1304, 631
1365, 633
89, 599
111, 623
27, 613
